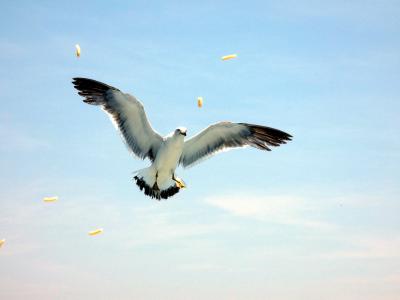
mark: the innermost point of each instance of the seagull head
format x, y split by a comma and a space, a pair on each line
180, 131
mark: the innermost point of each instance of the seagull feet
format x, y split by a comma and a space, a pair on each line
155, 187
179, 182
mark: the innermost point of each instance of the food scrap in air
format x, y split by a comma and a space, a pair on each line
227, 57
78, 50
95, 232
50, 199
199, 101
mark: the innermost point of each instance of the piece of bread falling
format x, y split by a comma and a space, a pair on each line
96, 232
199, 102
227, 57
78, 50
50, 199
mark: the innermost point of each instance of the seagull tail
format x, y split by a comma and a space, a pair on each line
152, 185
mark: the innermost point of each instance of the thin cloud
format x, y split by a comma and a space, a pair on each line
289, 210
369, 248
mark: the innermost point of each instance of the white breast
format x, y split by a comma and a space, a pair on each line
168, 156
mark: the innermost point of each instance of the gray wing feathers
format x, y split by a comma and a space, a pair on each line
126, 112
225, 135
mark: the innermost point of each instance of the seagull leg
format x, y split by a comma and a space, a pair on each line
155, 186
179, 183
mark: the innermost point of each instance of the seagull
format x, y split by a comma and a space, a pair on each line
160, 181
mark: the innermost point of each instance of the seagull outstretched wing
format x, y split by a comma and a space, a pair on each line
226, 135
126, 112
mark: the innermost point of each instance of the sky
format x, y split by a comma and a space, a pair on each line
314, 219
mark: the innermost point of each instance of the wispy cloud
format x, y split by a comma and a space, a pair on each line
154, 227
368, 247
290, 210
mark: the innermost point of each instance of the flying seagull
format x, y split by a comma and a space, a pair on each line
166, 153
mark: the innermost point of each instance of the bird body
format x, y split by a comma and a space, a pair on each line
166, 153
170, 152
160, 176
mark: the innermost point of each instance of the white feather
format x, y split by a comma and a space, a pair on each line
128, 115
216, 138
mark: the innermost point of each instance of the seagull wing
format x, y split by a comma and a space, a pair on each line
226, 135
126, 112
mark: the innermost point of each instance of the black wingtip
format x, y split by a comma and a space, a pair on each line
87, 85
92, 90
265, 137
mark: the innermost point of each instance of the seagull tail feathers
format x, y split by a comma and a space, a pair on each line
152, 185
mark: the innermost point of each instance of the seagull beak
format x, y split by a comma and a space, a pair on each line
183, 133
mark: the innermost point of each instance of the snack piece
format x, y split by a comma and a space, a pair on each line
199, 101
78, 50
95, 232
227, 57
50, 199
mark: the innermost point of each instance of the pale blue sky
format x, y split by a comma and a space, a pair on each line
314, 219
